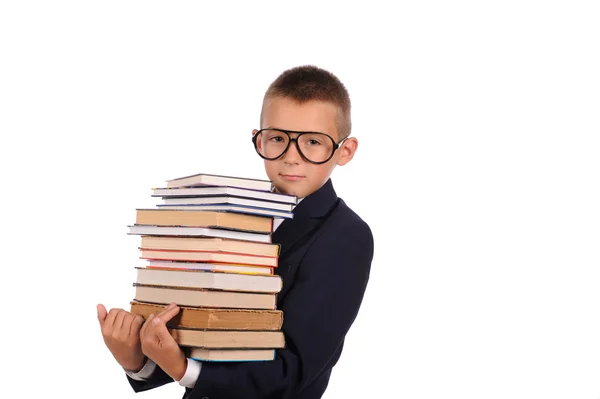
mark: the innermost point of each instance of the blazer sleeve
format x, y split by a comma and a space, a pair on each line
157, 379
318, 312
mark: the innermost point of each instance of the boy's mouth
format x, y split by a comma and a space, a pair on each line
291, 177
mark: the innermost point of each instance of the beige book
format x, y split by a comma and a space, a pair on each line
198, 218
228, 339
209, 280
204, 298
204, 256
209, 244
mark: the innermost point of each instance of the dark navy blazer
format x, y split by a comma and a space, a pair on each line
324, 261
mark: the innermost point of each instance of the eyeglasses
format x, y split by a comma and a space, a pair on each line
314, 147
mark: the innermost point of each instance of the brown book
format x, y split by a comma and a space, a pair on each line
196, 218
228, 339
210, 244
229, 355
215, 318
204, 298
210, 280
206, 256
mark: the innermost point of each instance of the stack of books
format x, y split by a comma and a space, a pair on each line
207, 247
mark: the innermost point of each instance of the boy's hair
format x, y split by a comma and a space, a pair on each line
307, 83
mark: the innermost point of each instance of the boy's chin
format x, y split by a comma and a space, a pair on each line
285, 190
290, 189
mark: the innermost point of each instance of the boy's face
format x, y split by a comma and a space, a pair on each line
291, 174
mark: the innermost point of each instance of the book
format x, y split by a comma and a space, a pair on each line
229, 355
204, 298
219, 267
208, 256
228, 339
199, 232
208, 191
247, 210
208, 248
215, 318
223, 200
201, 179
210, 244
209, 280
198, 218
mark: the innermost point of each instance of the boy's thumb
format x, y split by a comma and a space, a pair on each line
102, 313
161, 330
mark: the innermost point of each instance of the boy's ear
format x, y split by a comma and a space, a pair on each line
254, 131
347, 151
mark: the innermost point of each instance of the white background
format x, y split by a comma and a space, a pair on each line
477, 170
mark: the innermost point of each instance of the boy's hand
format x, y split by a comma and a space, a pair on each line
160, 346
121, 333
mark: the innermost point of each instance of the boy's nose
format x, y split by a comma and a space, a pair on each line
292, 155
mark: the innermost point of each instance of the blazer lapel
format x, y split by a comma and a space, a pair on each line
307, 216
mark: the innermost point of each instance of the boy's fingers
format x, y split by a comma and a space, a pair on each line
136, 325
102, 313
145, 325
119, 320
168, 313
127, 320
158, 328
110, 319
167, 308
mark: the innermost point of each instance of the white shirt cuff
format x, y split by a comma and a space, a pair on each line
191, 373
144, 373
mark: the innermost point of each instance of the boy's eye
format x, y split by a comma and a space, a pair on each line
311, 140
277, 139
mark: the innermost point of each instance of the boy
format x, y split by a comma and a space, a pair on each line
325, 259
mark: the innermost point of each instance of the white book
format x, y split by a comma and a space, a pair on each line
224, 200
150, 230
167, 192
248, 210
202, 179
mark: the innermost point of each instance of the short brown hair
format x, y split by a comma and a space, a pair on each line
307, 83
